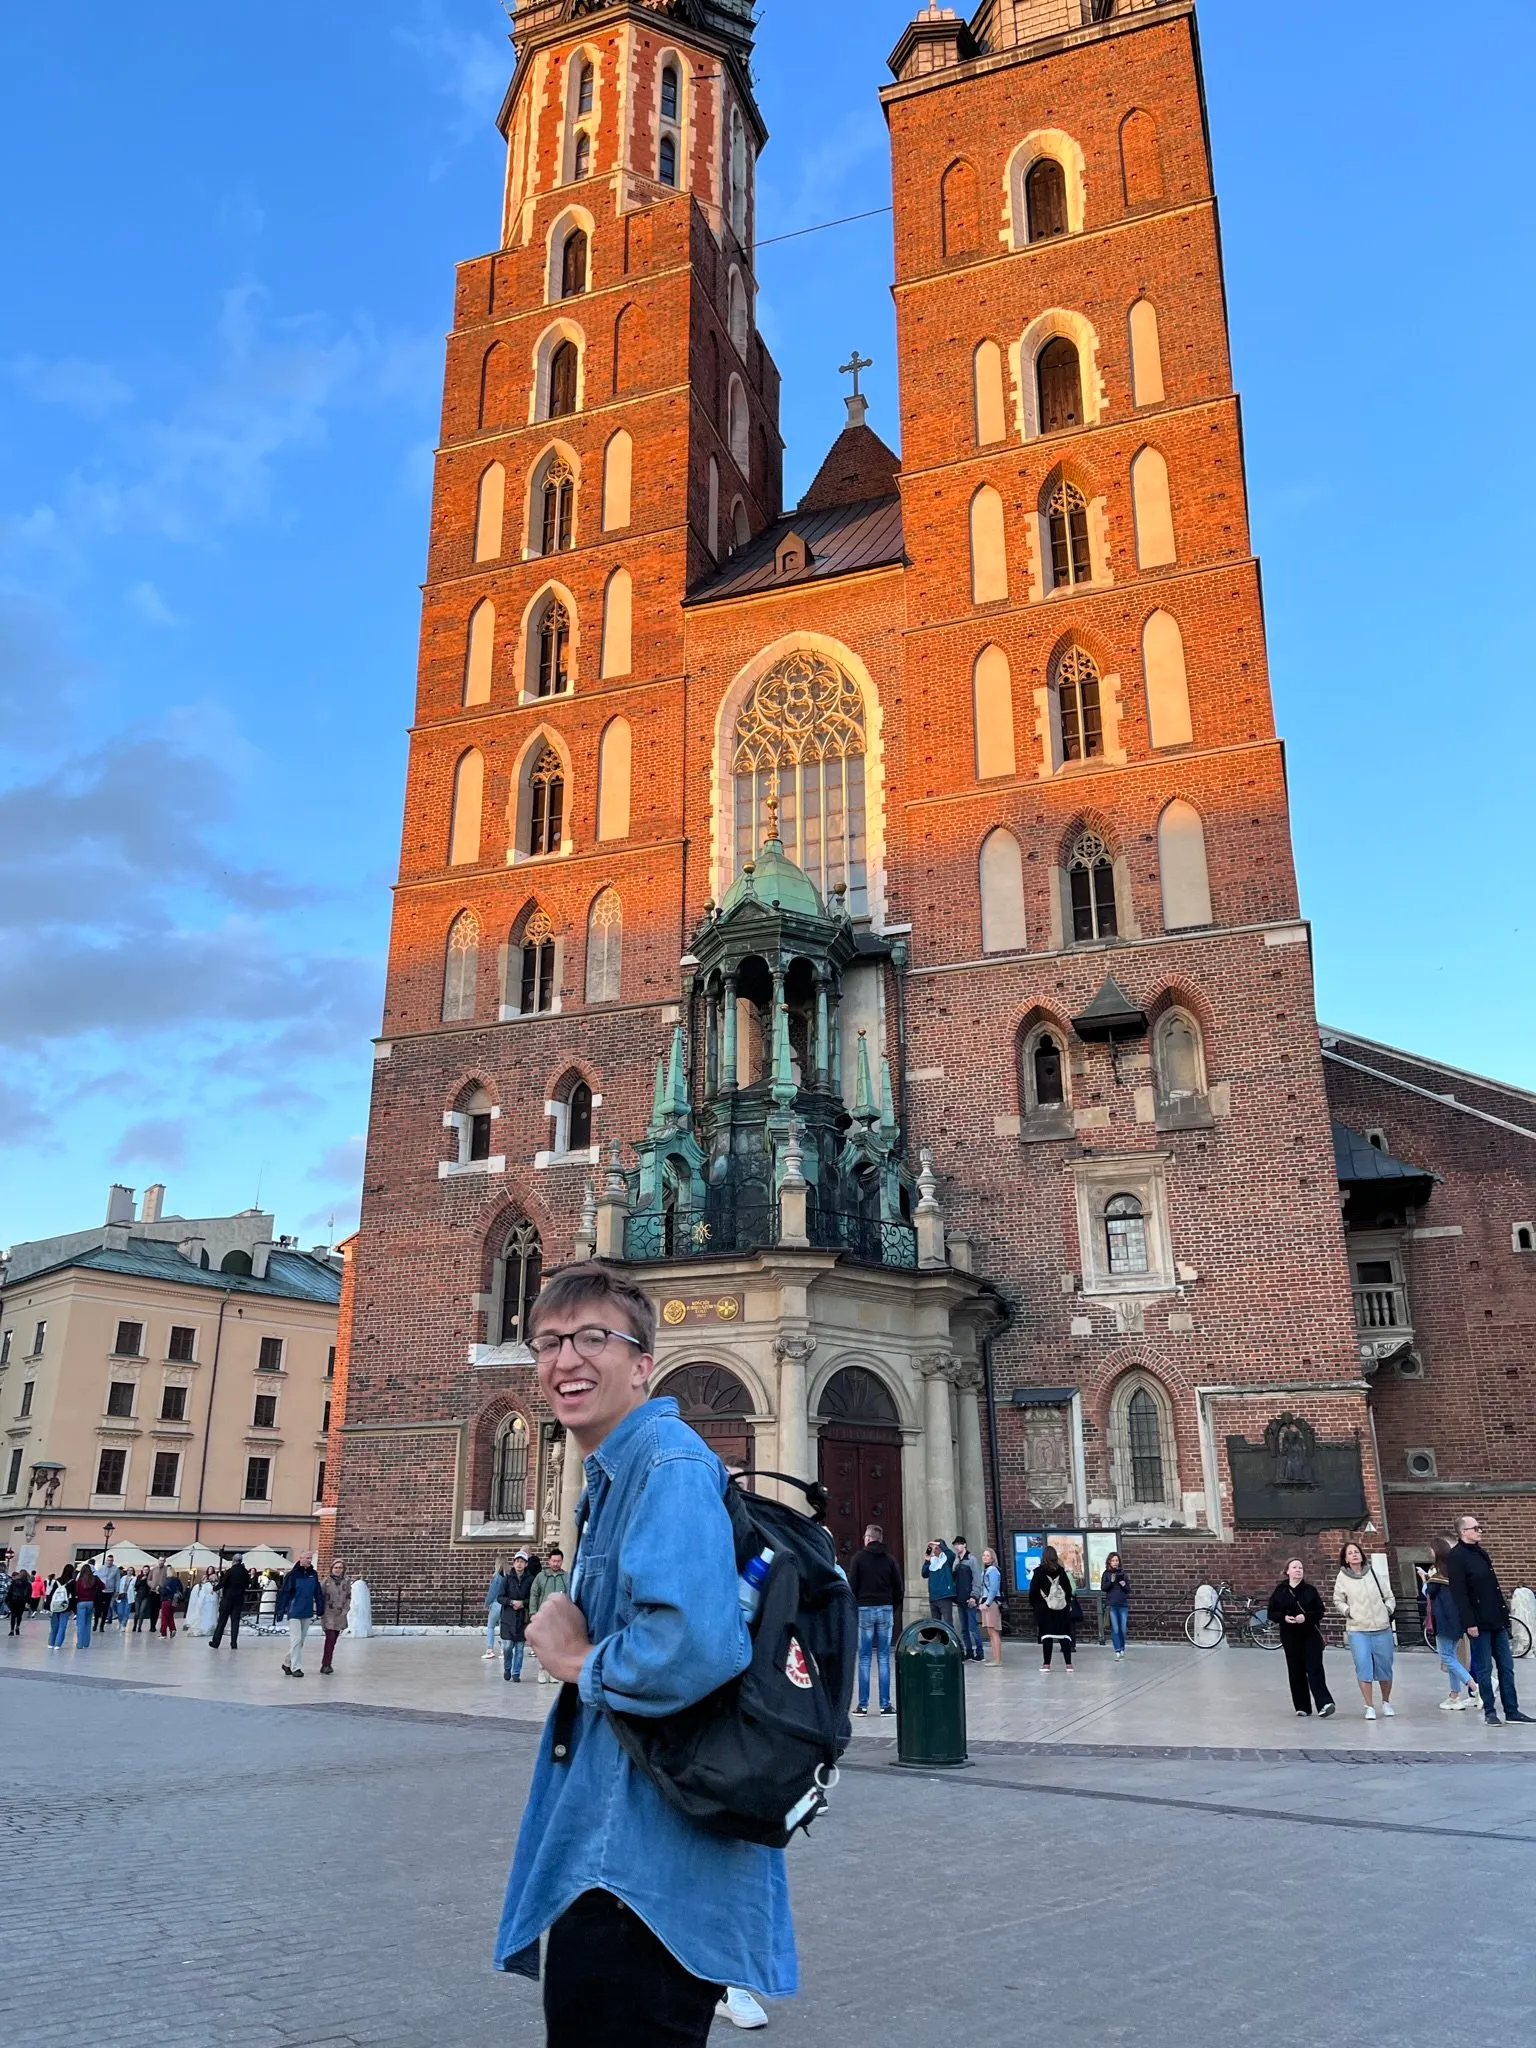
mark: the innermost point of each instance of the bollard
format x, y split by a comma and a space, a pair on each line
930, 1698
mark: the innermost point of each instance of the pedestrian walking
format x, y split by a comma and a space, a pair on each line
171, 1590
967, 1571
547, 1583
1296, 1609
992, 1603
879, 1592
108, 1573
1053, 1602
18, 1598
516, 1592
300, 1602
1444, 1619
649, 1917
1115, 1591
336, 1598
146, 1602
83, 1594
939, 1571
1485, 1617
1367, 1608
60, 1601
122, 1605
234, 1585
493, 1594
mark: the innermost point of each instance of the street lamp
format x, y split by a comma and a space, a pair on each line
106, 1535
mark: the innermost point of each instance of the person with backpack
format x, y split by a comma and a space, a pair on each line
649, 1915
967, 1571
1296, 1609
939, 1571
60, 1601
1442, 1619
1053, 1602
553, 1579
879, 1592
1115, 1591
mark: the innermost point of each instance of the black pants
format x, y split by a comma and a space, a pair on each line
1048, 1643
229, 1617
1304, 1667
16, 1613
609, 1983
943, 1610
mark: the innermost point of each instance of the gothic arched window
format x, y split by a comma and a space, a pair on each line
563, 365
554, 650
1091, 877
1047, 1072
509, 1472
546, 804
582, 162
801, 733
1045, 197
605, 948
573, 264
1058, 372
585, 82
1144, 1441
1125, 1231
558, 512
669, 93
1178, 1064
461, 968
578, 1118
667, 160
1071, 558
521, 1271
1077, 706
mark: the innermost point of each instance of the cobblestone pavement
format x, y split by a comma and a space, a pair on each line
331, 1874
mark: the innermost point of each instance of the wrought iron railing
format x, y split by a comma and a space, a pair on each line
681, 1234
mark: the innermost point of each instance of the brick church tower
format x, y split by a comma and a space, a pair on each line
876, 922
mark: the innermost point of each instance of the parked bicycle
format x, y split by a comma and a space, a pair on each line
1520, 1644
1207, 1626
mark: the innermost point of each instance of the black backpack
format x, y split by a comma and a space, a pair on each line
754, 1761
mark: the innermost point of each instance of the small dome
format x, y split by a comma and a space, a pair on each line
774, 878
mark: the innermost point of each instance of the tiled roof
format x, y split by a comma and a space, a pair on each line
297, 1276
842, 540
858, 467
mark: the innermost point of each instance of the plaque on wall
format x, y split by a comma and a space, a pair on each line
1292, 1481
709, 1308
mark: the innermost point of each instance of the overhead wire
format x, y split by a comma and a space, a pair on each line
821, 227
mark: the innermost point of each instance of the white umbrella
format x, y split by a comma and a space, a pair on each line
195, 1557
265, 1559
128, 1555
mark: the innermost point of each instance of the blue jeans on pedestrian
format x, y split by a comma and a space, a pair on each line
512, 1660
1118, 1617
875, 1638
58, 1628
492, 1624
1460, 1676
85, 1615
970, 1628
1490, 1648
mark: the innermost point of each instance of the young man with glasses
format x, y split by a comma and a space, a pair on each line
1485, 1617
649, 1918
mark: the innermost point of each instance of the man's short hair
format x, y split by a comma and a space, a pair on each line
592, 1285
874, 1533
1463, 1520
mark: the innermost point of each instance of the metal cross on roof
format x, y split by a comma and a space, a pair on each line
852, 369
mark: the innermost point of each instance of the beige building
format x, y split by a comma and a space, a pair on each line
169, 1376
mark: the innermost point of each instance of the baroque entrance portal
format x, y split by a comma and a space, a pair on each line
715, 1403
860, 1460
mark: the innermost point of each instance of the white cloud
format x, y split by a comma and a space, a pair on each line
151, 606
92, 389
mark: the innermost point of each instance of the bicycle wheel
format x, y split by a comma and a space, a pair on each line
1263, 1632
1519, 1638
1205, 1628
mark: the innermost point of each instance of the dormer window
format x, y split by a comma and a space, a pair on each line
793, 555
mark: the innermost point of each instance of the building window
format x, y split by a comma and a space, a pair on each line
1143, 1450
522, 1269
573, 264
563, 367
605, 948
536, 992
271, 1357
325, 1418
120, 1397
236, 1262
585, 81
39, 1339
130, 1341
1125, 1232
1045, 199
13, 1475
112, 1472
801, 735
163, 1480
264, 1413
330, 1363
582, 165
509, 1479
578, 1119
554, 677
173, 1404
1146, 1447
667, 160
546, 805
27, 1387
1381, 1298
1071, 558
1091, 880
479, 1146
1078, 707
461, 968
558, 522
183, 1344
320, 1480
1048, 1072
258, 1478
1523, 1237
1058, 373
5, 1347
669, 93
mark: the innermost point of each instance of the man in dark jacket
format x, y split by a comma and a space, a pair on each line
879, 1591
233, 1588
300, 1602
1485, 1617
968, 1599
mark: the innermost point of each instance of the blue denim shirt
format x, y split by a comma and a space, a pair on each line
656, 1580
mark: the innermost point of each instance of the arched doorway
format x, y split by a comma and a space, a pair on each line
860, 1460
715, 1403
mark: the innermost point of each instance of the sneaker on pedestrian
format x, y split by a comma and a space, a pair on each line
1389, 1710
887, 1710
861, 1710
487, 1656
741, 2009
1303, 1714
1474, 1697
1324, 1712
1454, 1705
287, 1669
1370, 1713
1516, 1715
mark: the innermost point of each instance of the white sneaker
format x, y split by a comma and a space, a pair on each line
741, 2009
487, 1656
1389, 1710
1458, 1703
1370, 1713
543, 1676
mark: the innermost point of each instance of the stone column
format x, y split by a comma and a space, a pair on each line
937, 1370
572, 1479
728, 1064
823, 1059
793, 1349
973, 1493
711, 1045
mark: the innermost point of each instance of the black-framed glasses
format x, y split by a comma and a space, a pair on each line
588, 1342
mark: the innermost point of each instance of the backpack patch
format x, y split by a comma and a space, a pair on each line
796, 1670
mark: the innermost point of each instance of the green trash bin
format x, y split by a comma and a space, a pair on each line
930, 1698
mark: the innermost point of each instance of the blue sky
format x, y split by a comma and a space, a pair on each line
227, 258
